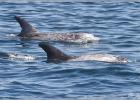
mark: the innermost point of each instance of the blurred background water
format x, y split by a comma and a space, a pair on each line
116, 23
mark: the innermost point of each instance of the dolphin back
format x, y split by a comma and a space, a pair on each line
27, 29
53, 53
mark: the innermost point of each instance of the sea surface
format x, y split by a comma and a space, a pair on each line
117, 24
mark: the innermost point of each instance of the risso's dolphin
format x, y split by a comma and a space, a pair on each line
30, 32
54, 54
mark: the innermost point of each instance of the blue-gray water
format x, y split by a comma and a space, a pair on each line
116, 23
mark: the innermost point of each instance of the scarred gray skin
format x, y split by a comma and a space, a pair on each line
55, 54
30, 32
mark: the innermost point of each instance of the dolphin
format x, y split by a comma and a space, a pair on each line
30, 32
54, 54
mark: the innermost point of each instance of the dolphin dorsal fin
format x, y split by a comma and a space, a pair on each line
27, 29
53, 53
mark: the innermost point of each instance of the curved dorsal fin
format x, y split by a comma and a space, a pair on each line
53, 53
27, 29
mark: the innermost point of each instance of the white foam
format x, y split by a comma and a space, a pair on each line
89, 37
21, 57
85, 38
11, 35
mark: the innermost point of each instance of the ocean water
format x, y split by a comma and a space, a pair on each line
116, 23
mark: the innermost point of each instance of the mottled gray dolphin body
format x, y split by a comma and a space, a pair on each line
55, 54
28, 31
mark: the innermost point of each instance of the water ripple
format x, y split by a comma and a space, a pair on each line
116, 23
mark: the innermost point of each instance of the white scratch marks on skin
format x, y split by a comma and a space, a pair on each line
101, 57
68, 37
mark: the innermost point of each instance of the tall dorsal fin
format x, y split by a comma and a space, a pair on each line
27, 29
53, 53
